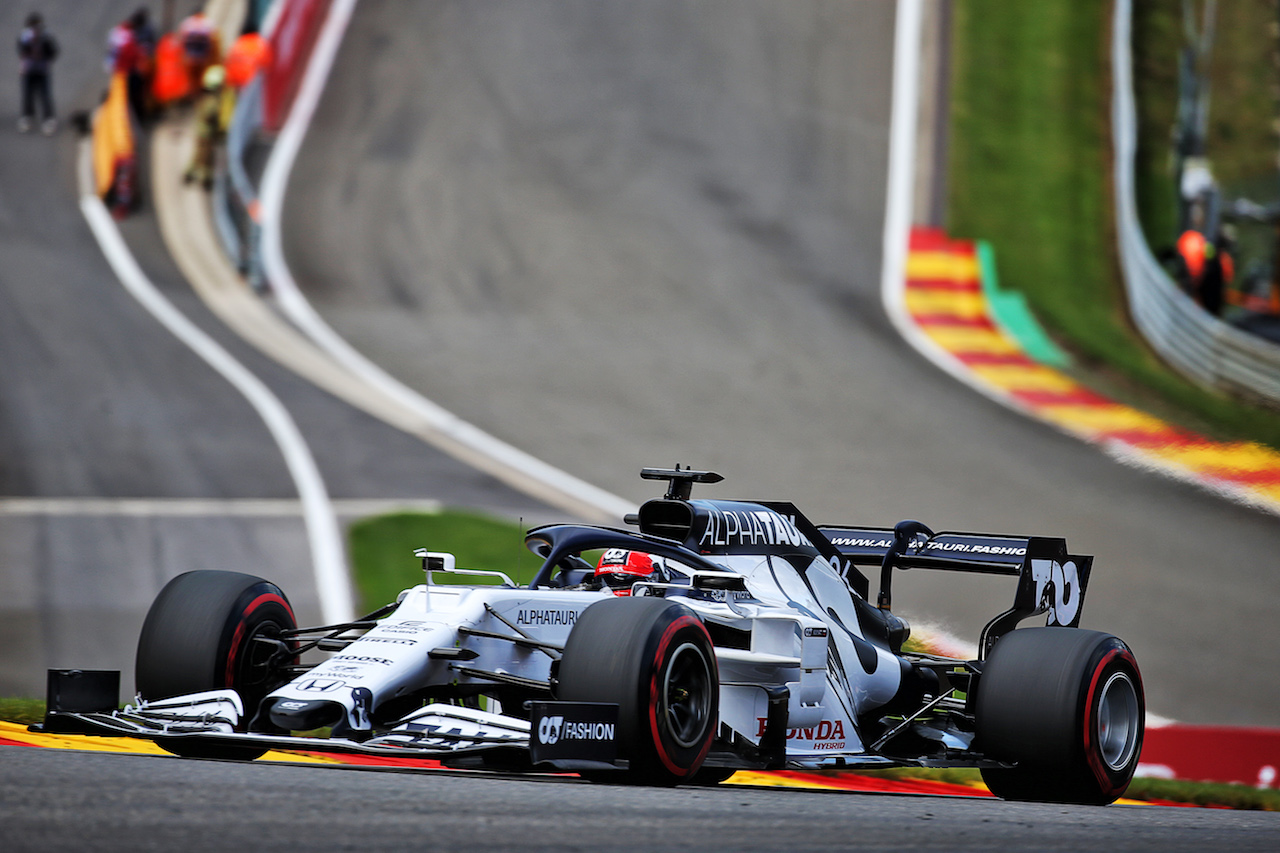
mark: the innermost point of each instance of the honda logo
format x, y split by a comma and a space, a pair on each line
320, 685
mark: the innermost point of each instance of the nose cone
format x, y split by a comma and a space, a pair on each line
296, 715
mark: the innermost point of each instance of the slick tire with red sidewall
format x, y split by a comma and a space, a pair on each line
654, 659
1067, 706
199, 635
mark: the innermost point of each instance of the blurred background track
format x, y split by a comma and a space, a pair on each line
124, 458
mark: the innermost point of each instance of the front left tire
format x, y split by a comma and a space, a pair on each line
654, 659
201, 634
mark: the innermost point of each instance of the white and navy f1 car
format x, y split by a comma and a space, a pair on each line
747, 639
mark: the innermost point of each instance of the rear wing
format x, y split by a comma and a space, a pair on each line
1050, 580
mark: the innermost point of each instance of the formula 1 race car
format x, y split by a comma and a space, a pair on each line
720, 635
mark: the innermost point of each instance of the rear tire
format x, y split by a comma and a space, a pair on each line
199, 635
1065, 704
654, 659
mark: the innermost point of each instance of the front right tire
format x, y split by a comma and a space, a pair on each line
1066, 706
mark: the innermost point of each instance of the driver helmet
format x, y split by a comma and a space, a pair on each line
619, 568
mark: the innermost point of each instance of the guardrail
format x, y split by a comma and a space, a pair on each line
1198, 345
291, 27
235, 198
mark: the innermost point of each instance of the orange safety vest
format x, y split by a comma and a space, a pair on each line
248, 55
1191, 247
171, 81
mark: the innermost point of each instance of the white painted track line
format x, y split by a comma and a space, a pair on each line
907, 28
333, 583
908, 32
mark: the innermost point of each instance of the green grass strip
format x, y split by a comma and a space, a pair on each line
1030, 171
23, 711
382, 551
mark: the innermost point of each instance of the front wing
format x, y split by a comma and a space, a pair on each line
434, 731
558, 737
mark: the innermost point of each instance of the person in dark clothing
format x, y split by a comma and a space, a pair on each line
1212, 282
36, 52
143, 31
131, 48
1219, 271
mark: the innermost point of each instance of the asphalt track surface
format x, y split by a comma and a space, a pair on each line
98, 401
620, 236
60, 800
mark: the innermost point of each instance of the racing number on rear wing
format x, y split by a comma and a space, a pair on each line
1053, 580
1062, 582
1050, 580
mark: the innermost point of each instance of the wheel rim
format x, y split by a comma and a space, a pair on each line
686, 695
257, 671
1118, 721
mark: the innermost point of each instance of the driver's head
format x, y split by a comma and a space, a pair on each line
619, 568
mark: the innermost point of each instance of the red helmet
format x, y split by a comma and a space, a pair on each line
619, 568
